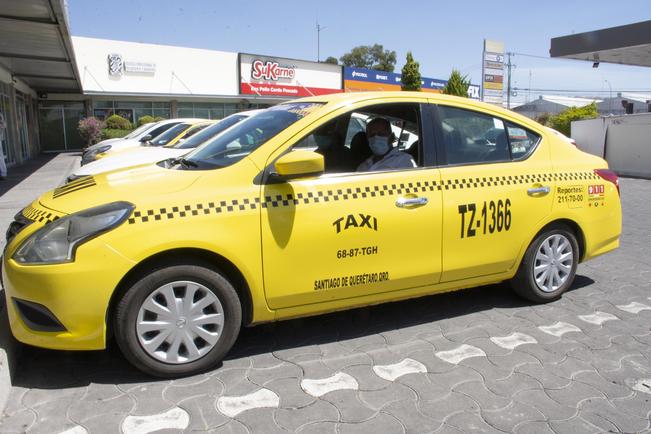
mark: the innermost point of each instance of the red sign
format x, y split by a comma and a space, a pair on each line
596, 189
271, 71
284, 90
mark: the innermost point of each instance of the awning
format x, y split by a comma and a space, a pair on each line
626, 45
35, 45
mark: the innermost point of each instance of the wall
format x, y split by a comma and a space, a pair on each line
176, 70
626, 142
590, 135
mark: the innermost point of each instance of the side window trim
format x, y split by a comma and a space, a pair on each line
437, 135
429, 149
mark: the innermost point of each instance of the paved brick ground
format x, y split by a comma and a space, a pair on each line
475, 360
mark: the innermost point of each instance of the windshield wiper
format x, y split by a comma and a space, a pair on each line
185, 162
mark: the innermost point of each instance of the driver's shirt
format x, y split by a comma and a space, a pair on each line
395, 159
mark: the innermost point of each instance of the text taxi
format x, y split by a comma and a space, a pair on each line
299, 210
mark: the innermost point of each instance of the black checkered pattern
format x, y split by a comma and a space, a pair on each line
334, 195
77, 184
216, 207
494, 181
39, 215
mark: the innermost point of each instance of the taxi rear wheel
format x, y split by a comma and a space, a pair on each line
549, 265
178, 320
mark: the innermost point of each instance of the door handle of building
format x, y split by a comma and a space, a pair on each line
538, 191
406, 202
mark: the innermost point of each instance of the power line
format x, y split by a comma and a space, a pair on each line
581, 90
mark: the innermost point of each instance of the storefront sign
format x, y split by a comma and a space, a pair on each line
118, 66
360, 79
493, 72
272, 76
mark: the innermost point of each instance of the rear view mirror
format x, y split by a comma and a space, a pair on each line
146, 138
299, 163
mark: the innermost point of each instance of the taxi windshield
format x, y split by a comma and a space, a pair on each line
164, 138
209, 132
137, 131
246, 136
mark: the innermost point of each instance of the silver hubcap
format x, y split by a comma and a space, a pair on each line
180, 322
553, 263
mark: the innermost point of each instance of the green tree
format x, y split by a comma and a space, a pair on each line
457, 84
563, 121
371, 57
410, 74
331, 60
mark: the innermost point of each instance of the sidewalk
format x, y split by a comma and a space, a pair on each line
24, 184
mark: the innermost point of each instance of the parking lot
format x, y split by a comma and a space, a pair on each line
473, 360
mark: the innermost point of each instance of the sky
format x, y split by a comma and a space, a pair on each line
441, 34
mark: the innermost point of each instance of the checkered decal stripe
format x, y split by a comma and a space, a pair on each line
39, 215
334, 195
76, 185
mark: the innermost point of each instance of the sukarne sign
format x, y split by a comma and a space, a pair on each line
273, 76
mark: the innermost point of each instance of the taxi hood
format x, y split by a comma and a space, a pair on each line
131, 185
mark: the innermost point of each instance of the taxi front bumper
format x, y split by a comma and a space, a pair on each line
63, 306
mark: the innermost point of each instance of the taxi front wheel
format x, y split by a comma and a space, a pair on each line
178, 320
549, 265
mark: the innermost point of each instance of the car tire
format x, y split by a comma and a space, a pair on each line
531, 282
190, 338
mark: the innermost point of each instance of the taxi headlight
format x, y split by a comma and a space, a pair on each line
102, 149
57, 241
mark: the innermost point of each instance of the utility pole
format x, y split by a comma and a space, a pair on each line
610, 99
509, 65
318, 40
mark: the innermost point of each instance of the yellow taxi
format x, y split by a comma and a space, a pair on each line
311, 206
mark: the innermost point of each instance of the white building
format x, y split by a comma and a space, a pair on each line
551, 104
638, 103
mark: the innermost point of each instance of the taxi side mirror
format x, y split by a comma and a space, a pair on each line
299, 163
146, 138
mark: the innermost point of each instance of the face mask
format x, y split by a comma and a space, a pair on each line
379, 145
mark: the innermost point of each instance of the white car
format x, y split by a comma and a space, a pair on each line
152, 154
135, 138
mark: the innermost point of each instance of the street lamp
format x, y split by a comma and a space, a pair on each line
610, 98
318, 40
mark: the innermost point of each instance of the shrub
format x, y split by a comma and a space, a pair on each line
90, 129
159, 118
563, 121
457, 84
112, 133
117, 122
543, 118
145, 120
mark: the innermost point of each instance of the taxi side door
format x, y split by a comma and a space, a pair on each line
344, 235
497, 182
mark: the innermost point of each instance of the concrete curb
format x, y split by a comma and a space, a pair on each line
50, 175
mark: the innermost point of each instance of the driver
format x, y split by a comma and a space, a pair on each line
385, 156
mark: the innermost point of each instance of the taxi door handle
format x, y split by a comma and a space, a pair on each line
406, 202
538, 191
